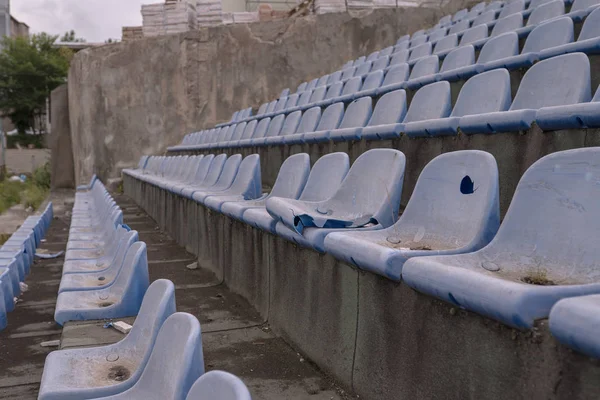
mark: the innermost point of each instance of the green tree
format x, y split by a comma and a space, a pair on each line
30, 68
71, 37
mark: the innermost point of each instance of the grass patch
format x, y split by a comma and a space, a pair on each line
4, 237
31, 193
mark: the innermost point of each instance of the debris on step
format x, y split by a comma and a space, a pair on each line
192, 265
51, 343
122, 327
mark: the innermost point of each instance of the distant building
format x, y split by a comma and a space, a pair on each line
9, 25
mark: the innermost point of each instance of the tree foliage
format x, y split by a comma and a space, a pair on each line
30, 68
71, 37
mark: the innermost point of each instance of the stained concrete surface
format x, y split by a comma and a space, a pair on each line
234, 336
32, 321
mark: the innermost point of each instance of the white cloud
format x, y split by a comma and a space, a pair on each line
94, 20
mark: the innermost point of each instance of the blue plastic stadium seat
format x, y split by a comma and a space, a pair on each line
262, 109
557, 81
7, 294
399, 58
423, 72
308, 123
381, 63
317, 95
385, 123
459, 64
178, 350
545, 12
445, 20
312, 84
122, 299
289, 184
582, 8
511, 8
219, 385
247, 185
333, 92
418, 41
259, 132
399, 47
588, 41
483, 93
497, 48
350, 88
437, 34
370, 85
445, 45
402, 39
571, 116
290, 124
356, 117
322, 81
430, 102
460, 15
494, 5
335, 77
360, 203
274, 128
395, 78
533, 5
445, 215
301, 87
419, 52
86, 372
364, 68
206, 176
475, 36
224, 178
390, 49
330, 119
324, 180
348, 73
484, 18
507, 24
575, 322
198, 175
459, 27
527, 267
285, 92
549, 34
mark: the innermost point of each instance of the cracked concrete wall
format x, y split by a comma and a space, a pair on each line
135, 98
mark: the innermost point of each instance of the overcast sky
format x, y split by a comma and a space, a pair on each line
94, 20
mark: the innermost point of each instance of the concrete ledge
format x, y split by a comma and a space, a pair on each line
514, 152
378, 338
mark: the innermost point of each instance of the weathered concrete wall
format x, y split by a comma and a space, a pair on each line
135, 98
25, 161
62, 166
380, 339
